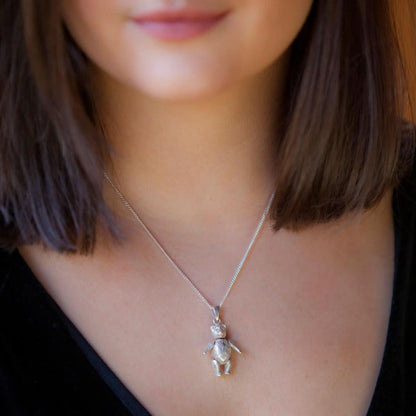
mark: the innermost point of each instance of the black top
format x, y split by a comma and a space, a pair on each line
48, 368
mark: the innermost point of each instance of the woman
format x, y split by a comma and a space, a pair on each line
141, 142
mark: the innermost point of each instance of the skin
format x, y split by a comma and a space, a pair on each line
192, 125
216, 96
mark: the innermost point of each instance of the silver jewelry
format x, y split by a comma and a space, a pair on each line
221, 347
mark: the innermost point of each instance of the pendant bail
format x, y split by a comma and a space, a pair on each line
216, 314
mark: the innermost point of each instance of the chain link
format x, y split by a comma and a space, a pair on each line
186, 278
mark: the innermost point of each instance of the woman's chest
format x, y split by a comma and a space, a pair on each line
311, 341
310, 316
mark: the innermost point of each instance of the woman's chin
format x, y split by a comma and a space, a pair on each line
182, 91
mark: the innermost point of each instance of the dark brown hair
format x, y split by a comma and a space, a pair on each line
344, 140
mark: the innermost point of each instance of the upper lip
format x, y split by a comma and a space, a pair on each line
179, 14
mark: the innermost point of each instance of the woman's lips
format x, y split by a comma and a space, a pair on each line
180, 24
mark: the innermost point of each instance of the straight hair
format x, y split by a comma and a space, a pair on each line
342, 139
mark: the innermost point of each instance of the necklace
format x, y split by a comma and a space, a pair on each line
220, 346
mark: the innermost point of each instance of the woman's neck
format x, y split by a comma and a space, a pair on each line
208, 160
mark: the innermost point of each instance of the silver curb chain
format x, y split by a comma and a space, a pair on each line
186, 278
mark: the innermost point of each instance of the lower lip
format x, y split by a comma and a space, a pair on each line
179, 29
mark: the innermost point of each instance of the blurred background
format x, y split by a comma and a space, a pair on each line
405, 18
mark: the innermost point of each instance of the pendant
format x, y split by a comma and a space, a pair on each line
221, 347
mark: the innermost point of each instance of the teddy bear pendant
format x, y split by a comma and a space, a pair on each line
221, 347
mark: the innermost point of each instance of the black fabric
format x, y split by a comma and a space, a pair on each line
129, 401
48, 368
